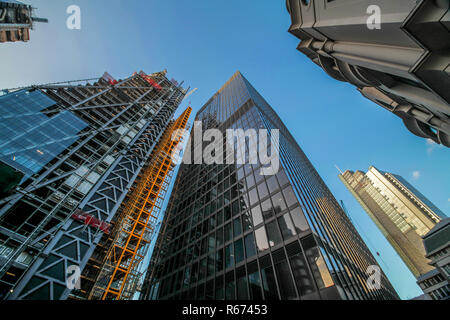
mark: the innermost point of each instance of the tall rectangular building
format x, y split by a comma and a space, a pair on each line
70, 156
231, 232
401, 213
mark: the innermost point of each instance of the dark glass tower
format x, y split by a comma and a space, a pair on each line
231, 233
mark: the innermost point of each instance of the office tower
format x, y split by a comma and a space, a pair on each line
230, 232
73, 155
16, 21
401, 212
396, 53
436, 283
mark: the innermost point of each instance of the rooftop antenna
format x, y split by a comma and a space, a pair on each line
338, 169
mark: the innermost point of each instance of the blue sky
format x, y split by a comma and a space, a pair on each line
204, 42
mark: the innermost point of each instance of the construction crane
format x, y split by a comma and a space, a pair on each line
190, 93
121, 271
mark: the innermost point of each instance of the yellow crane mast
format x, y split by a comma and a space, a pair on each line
120, 274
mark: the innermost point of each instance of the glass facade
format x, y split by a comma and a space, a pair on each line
401, 215
30, 134
232, 233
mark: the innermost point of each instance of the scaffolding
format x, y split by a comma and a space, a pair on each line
121, 271
41, 221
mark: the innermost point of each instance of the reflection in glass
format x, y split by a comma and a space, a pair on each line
278, 202
289, 194
239, 251
267, 209
286, 285
250, 245
301, 274
261, 239
300, 223
237, 227
255, 286
286, 226
256, 215
227, 231
273, 234
241, 285
229, 256
269, 284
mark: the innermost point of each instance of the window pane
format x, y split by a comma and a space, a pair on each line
317, 263
228, 234
267, 209
202, 272
227, 211
219, 237
250, 245
253, 196
273, 234
229, 284
269, 284
250, 181
219, 288
229, 256
261, 239
211, 265
239, 251
278, 202
272, 184
219, 260
256, 215
237, 227
285, 282
289, 194
255, 286
242, 293
236, 209
286, 226
282, 178
262, 190
246, 221
301, 274
301, 225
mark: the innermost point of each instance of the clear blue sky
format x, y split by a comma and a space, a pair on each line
204, 42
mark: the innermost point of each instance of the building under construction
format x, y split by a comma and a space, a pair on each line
16, 21
84, 169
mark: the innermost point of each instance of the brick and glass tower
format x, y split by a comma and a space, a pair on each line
231, 233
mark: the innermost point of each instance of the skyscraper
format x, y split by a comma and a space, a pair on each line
401, 212
71, 155
16, 21
396, 53
436, 283
230, 232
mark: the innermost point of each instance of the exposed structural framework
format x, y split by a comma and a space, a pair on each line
402, 64
121, 272
70, 153
16, 20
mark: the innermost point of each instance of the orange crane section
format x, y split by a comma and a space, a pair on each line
121, 273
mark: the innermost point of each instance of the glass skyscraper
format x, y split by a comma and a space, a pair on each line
231, 233
400, 211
